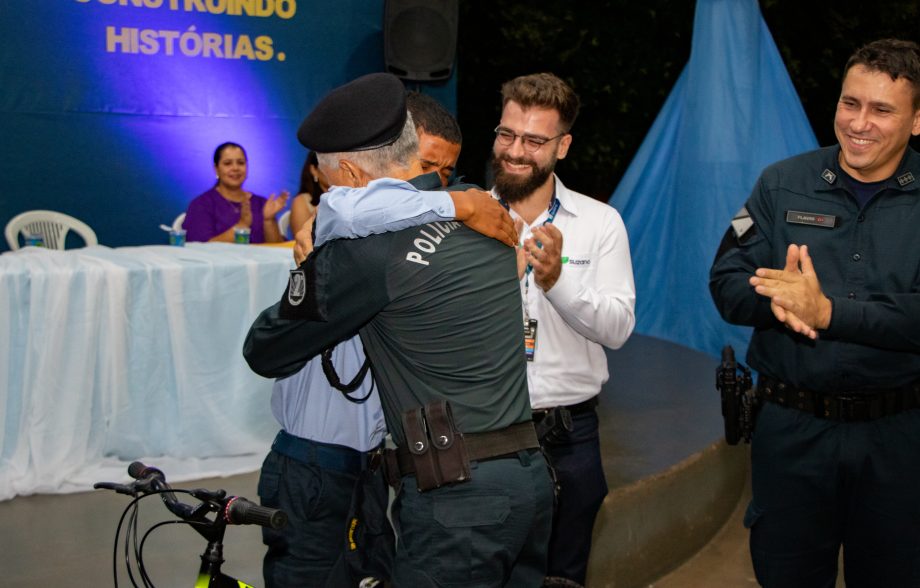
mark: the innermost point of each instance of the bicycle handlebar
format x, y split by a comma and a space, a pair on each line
233, 510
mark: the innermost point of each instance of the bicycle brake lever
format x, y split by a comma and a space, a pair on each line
203, 494
120, 488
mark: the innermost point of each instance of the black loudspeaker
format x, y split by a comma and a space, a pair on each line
420, 38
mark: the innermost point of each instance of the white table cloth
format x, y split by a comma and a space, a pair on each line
112, 355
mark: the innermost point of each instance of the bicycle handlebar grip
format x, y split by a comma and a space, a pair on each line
240, 511
138, 471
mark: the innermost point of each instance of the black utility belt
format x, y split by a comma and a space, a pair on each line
856, 406
554, 424
582, 407
438, 454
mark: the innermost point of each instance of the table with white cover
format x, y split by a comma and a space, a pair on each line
134, 353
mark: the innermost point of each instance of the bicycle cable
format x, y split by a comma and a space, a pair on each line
131, 529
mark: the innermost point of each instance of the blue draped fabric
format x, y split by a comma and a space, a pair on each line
732, 112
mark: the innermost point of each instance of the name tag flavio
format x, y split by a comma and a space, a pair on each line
816, 219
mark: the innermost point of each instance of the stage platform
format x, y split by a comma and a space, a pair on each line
673, 484
673, 480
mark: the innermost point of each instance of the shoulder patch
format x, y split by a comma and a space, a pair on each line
297, 287
742, 223
299, 298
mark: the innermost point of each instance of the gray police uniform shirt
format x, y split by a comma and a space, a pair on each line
439, 312
868, 264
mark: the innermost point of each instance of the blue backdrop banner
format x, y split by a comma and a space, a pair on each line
732, 112
111, 109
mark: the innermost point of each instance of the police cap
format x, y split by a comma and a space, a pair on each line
366, 113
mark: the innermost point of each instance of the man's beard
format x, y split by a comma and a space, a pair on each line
512, 187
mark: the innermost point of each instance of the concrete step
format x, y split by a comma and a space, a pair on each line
673, 481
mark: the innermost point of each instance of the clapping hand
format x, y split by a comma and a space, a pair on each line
303, 241
544, 254
246, 212
795, 294
275, 204
519, 250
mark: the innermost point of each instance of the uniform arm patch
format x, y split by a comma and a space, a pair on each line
741, 231
299, 299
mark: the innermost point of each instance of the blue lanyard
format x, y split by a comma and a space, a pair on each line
553, 209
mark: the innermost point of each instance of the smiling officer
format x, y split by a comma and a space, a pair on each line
829, 277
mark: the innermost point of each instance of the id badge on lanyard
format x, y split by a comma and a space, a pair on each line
530, 324
530, 338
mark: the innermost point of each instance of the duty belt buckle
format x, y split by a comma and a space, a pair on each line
852, 408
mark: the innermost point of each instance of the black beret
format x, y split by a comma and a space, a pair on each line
366, 113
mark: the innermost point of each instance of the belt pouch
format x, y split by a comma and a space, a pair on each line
427, 473
448, 443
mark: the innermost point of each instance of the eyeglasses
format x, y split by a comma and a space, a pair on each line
530, 143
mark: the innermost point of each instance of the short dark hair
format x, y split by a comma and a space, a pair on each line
307, 184
220, 150
543, 90
897, 58
431, 116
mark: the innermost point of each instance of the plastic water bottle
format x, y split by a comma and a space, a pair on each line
241, 235
34, 240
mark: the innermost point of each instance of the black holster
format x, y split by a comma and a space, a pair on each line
740, 404
555, 424
437, 448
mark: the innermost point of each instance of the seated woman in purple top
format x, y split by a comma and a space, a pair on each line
214, 215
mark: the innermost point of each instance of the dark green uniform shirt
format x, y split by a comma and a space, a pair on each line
438, 308
867, 261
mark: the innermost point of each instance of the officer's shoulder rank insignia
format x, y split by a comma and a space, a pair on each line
829, 176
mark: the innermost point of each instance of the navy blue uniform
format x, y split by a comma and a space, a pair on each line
821, 483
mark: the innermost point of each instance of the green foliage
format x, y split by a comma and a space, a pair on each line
623, 58
816, 39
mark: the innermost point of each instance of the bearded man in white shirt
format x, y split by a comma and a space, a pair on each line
578, 296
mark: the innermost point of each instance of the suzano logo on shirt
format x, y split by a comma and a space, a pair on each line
577, 261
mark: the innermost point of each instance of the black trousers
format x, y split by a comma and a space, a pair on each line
819, 485
315, 484
576, 457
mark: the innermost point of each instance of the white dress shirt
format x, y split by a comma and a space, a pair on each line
591, 305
